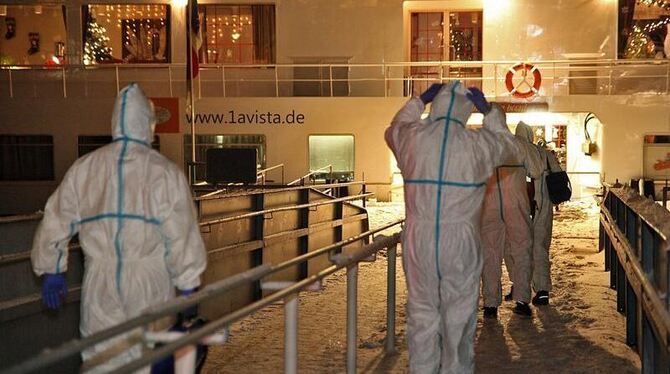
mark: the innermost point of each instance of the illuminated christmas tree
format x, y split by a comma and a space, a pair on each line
95, 47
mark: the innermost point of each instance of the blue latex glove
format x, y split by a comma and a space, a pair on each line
54, 287
430, 93
190, 312
477, 98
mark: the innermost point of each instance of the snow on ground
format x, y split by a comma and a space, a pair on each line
580, 332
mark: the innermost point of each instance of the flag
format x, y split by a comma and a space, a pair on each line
196, 40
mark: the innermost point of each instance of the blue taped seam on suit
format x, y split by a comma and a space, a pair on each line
133, 140
443, 151
137, 217
120, 197
60, 250
445, 183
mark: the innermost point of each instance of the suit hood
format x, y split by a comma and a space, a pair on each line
524, 132
133, 115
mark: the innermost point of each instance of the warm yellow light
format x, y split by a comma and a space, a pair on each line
496, 8
179, 3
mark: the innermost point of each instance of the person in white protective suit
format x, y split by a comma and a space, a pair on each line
135, 217
542, 227
506, 225
445, 167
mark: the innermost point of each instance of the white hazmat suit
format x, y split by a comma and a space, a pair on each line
444, 166
135, 217
506, 223
543, 223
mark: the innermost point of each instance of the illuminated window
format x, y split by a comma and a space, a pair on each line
237, 34
334, 150
126, 33
32, 35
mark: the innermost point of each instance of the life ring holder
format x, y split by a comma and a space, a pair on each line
524, 68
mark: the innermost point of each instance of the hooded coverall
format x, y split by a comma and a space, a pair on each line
135, 217
506, 223
444, 166
542, 224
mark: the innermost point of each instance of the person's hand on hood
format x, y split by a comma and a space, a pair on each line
477, 97
430, 93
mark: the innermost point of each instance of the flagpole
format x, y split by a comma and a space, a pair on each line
189, 88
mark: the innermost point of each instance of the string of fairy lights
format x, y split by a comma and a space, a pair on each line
664, 5
223, 27
133, 19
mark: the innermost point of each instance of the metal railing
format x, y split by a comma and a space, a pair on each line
287, 292
301, 181
634, 236
262, 174
559, 78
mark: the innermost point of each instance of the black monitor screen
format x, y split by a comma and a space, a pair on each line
231, 165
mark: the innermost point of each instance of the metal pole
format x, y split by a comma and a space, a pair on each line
223, 80
276, 82
11, 84
189, 52
170, 78
352, 296
390, 300
330, 74
64, 85
118, 84
291, 334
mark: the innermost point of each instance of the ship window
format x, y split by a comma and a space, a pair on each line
126, 33
26, 158
237, 34
332, 150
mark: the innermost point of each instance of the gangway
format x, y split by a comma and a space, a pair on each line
634, 234
138, 327
242, 229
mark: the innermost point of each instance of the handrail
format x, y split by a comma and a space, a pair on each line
387, 72
285, 208
262, 173
51, 356
284, 189
312, 172
632, 235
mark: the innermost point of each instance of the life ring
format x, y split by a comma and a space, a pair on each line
525, 69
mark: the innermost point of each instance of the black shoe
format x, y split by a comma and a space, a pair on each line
508, 297
522, 309
541, 298
490, 312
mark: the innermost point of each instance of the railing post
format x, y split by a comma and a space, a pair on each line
223, 80
118, 84
330, 77
495, 80
352, 296
390, 299
64, 84
291, 334
11, 84
276, 82
199, 86
170, 78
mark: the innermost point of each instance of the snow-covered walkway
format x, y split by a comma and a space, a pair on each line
580, 332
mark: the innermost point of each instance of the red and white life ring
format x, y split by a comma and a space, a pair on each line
524, 68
